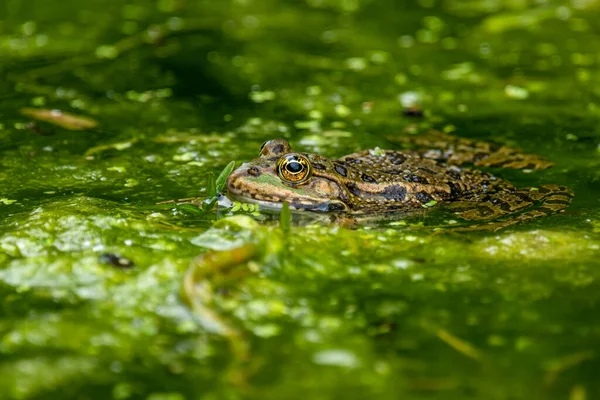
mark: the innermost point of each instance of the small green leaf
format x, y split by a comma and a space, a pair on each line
190, 209
211, 191
430, 204
222, 178
211, 188
285, 218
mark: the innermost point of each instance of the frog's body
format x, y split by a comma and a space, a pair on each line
383, 181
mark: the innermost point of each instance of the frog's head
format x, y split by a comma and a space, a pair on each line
280, 175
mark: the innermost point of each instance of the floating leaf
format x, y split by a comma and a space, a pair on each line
190, 209
120, 146
222, 178
59, 118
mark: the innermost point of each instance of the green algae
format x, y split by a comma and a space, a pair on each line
179, 89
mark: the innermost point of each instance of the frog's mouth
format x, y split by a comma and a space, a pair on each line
277, 204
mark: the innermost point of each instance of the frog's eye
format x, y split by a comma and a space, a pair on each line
294, 168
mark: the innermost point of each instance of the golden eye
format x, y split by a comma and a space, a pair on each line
294, 168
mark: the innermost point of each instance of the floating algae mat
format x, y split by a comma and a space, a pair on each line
121, 276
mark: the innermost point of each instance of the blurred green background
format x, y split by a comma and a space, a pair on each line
180, 88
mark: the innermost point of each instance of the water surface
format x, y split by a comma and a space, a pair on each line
180, 89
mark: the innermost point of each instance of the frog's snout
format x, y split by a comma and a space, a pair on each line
235, 179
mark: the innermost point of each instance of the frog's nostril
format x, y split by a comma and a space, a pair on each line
253, 171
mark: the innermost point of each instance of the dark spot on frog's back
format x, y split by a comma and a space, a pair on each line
504, 206
423, 197
353, 161
543, 190
318, 166
396, 158
416, 179
453, 173
455, 190
340, 169
353, 189
368, 178
253, 171
444, 195
394, 192
523, 196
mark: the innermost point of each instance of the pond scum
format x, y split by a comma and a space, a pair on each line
126, 274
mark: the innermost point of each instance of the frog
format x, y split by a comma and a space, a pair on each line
433, 170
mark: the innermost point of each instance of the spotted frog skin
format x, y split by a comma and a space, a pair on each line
384, 181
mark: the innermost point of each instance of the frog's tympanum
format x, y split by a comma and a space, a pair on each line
384, 181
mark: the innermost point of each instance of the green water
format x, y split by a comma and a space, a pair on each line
181, 88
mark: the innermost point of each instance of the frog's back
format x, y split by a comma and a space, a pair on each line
388, 179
